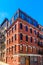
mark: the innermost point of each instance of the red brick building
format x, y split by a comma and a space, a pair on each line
24, 41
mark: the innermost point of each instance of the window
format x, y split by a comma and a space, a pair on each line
21, 47
12, 49
15, 48
35, 32
12, 30
15, 36
30, 49
31, 60
6, 59
26, 38
11, 58
16, 16
26, 48
12, 39
21, 36
35, 59
35, 41
30, 30
7, 50
26, 28
15, 27
20, 25
30, 39
42, 29
9, 41
22, 60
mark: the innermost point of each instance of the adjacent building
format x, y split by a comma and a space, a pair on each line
3, 28
24, 41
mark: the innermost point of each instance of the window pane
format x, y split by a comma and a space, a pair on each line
26, 28
30, 30
26, 38
21, 36
20, 25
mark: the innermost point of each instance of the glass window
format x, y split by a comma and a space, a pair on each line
22, 60
9, 41
20, 25
31, 60
12, 49
21, 47
30, 30
15, 27
35, 41
30, 39
12, 30
26, 28
26, 48
35, 23
7, 50
16, 16
9, 32
30, 49
21, 36
15, 48
6, 59
15, 36
12, 39
42, 29
26, 38
35, 59
30, 21
35, 32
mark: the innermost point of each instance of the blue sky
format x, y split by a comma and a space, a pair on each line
34, 8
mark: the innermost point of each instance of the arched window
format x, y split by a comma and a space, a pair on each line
30, 30
26, 38
31, 39
21, 36
21, 26
26, 28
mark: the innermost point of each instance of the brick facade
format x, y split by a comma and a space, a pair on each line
24, 42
